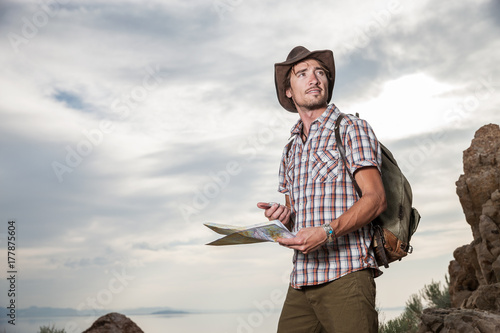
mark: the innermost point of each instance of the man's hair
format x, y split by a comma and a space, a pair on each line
286, 84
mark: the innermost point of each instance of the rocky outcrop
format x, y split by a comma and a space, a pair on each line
475, 272
113, 323
481, 174
459, 321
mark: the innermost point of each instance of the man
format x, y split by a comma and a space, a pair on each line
331, 284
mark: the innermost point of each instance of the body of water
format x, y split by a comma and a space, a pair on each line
250, 322
208, 323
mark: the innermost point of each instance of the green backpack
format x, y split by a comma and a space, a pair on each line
395, 226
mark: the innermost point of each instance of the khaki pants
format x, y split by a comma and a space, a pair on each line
346, 305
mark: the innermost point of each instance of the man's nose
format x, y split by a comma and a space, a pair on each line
313, 79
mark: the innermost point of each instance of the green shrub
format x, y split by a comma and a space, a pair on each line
437, 297
409, 320
53, 329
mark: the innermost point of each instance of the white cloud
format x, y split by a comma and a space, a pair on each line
189, 92
414, 99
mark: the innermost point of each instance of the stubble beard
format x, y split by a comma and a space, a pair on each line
314, 104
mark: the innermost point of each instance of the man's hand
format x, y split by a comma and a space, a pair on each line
276, 211
306, 241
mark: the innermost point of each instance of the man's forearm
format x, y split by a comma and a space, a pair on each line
365, 210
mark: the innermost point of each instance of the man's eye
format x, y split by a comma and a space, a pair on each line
321, 72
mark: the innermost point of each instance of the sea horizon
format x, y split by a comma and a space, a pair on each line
239, 321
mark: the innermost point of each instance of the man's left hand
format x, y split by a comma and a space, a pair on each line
306, 241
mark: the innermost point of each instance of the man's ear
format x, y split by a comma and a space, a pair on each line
288, 93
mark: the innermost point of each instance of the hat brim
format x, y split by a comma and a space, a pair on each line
281, 70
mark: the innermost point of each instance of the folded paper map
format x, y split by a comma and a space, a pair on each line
262, 232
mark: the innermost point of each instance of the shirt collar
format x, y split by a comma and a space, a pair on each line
324, 120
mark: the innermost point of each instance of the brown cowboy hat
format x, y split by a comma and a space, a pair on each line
296, 55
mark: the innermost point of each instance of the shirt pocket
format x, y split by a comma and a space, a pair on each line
325, 166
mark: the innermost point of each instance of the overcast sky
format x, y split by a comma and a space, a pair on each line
126, 125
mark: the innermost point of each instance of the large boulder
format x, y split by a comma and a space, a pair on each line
475, 272
481, 174
113, 323
459, 321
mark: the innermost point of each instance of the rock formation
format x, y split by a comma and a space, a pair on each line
113, 323
459, 321
475, 272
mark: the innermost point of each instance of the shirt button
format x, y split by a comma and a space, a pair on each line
304, 159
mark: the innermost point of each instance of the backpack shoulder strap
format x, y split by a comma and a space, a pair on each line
379, 234
340, 147
289, 145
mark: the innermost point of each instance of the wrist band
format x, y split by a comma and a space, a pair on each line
330, 234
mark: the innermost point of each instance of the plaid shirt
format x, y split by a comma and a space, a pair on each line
314, 176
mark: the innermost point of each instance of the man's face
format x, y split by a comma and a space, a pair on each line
308, 85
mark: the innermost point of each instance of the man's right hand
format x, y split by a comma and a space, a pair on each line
276, 211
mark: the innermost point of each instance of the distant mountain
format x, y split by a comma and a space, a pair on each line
35, 311
166, 312
157, 310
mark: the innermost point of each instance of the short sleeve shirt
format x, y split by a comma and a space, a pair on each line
314, 176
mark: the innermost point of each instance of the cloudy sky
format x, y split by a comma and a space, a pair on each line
126, 125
